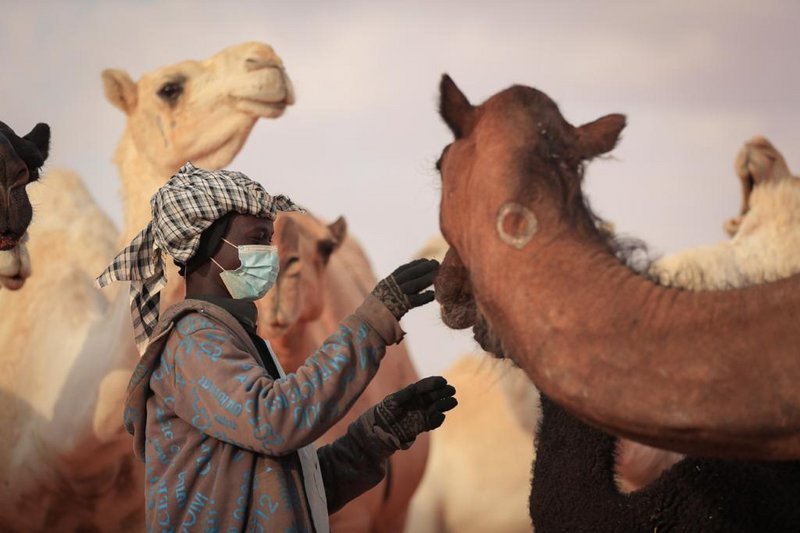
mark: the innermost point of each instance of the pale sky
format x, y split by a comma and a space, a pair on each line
696, 80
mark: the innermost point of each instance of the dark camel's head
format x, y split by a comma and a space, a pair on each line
21, 158
514, 172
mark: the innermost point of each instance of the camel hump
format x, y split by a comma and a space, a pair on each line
67, 218
62, 196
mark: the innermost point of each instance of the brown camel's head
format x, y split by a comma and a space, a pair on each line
304, 247
513, 174
21, 158
201, 111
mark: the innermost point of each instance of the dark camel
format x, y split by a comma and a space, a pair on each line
702, 373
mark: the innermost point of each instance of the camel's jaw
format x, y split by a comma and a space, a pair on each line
486, 338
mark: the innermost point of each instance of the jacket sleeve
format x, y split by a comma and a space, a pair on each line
356, 461
212, 382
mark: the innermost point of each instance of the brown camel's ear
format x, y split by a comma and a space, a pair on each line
600, 136
120, 89
338, 230
454, 108
40, 137
288, 234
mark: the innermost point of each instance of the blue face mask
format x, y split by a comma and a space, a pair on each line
255, 276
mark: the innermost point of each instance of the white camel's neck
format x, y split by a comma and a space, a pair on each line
141, 178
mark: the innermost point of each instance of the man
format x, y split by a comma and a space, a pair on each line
225, 434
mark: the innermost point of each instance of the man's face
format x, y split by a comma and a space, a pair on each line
243, 229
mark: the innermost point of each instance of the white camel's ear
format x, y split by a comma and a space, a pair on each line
338, 230
599, 136
120, 89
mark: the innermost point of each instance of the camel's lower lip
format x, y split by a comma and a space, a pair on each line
14, 284
280, 104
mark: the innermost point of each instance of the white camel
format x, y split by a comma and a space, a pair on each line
65, 461
765, 244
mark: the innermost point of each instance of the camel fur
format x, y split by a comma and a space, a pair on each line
67, 464
765, 244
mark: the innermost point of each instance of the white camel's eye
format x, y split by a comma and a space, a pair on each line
171, 91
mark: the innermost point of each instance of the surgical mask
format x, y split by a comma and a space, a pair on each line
255, 276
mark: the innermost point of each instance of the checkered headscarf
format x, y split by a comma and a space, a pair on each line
186, 205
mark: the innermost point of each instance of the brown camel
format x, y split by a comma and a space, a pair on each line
706, 373
324, 275
21, 159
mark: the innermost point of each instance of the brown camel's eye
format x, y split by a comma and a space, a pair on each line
292, 267
171, 91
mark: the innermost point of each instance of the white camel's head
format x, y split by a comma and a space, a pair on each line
758, 162
201, 111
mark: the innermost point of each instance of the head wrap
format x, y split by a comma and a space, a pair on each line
210, 242
191, 201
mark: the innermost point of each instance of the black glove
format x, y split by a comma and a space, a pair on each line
400, 290
417, 408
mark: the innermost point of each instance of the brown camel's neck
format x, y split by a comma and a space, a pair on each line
296, 345
688, 394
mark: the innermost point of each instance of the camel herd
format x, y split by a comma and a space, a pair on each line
666, 388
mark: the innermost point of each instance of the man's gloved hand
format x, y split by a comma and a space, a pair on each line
416, 408
400, 290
